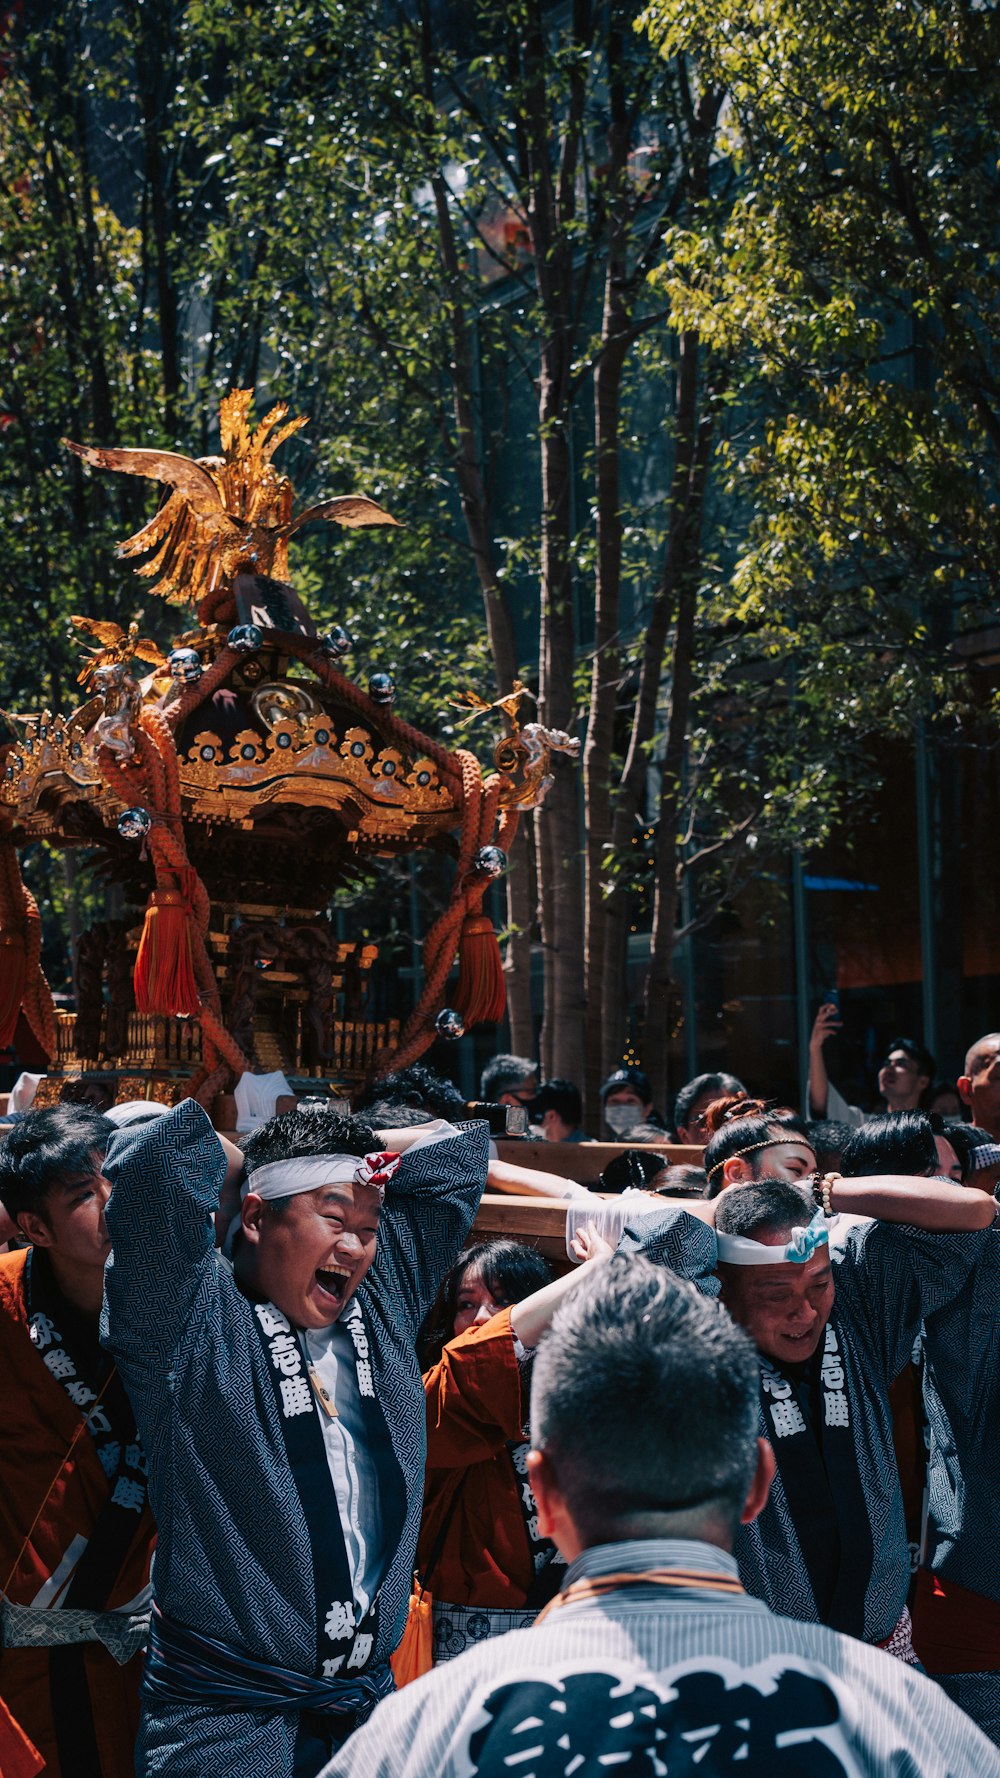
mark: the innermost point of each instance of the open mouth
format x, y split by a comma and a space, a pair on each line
333, 1281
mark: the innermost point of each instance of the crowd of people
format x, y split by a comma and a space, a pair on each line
714, 1492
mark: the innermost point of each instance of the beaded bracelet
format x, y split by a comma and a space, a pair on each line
822, 1187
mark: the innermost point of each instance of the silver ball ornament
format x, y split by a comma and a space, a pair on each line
134, 824
185, 666
490, 861
449, 1024
247, 638
382, 689
336, 642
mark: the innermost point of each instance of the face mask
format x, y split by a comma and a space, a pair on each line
624, 1118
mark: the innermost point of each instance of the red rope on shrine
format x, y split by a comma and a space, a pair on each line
174, 977
23, 987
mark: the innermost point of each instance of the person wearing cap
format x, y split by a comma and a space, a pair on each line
282, 1410
653, 1658
832, 1329
627, 1103
76, 1530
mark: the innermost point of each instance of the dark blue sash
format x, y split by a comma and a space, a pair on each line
184, 1666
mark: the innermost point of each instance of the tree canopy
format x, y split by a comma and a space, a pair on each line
672, 343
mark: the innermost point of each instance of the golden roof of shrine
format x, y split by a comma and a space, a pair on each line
324, 759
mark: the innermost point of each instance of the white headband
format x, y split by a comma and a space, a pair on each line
737, 1250
304, 1173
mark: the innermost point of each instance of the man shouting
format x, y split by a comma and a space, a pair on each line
281, 1410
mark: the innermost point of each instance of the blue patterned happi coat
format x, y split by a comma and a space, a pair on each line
888, 1278
233, 1561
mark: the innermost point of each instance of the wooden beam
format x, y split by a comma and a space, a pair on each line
586, 1161
539, 1222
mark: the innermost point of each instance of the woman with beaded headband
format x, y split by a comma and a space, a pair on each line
750, 1139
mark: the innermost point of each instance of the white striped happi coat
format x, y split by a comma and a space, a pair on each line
644, 1681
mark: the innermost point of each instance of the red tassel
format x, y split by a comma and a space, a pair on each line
481, 995
13, 981
164, 971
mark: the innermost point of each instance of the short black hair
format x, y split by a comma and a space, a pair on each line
510, 1271
505, 1074
967, 1140
562, 1097
633, 1170
681, 1180
304, 1132
916, 1052
419, 1086
644, 1397
828, 1138
387, 1116
769, 1208
898, 1142
721, 1086
45, 1147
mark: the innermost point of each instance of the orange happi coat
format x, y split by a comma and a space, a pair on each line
77, 1697
475, 1405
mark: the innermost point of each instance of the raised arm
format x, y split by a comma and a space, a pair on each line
635, 1211
475, 1393
826, 1023
431, 1200
166, 1181
532, 1318
931, 1204
682, 1239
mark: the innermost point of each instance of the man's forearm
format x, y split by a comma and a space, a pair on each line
819, 1081
923, 1203
503, 1176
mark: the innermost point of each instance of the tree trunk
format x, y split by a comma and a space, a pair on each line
599, 743
656, 1033
154, 63
551, 214
521, 900
628, 804
557, 823
464, 446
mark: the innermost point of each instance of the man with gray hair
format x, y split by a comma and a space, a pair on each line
645, 1461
